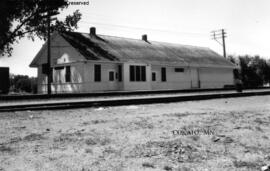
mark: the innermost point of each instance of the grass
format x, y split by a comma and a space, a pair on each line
141, 138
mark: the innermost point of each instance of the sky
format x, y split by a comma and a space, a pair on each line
190, 22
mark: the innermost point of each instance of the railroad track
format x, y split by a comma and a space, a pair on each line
124, 101
117, 93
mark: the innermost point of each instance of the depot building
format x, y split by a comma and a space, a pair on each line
88, 62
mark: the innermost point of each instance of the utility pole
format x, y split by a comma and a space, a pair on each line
217, 34
49, 78
48, 66
223, 42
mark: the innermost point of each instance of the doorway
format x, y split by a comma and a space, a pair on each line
195, 81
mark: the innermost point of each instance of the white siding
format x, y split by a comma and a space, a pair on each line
215, 77
82, 79
104, 85
175, 80
75, 84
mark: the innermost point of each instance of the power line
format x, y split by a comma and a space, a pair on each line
141, 28
135, 28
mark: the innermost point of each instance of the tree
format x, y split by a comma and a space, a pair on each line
20, 18
23, 83
255, 71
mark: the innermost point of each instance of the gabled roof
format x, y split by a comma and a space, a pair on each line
109, 48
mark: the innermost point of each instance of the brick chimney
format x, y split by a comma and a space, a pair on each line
144, 37
92, 31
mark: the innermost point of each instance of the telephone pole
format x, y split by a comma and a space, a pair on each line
49, 77
50, 13
217, 34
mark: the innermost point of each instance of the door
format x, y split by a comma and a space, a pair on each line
194, 74
112, 80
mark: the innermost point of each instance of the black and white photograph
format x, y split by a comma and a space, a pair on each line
134, 85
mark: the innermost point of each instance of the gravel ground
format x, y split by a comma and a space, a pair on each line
224, 134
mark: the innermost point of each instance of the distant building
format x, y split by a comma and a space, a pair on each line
87, 62
4, 80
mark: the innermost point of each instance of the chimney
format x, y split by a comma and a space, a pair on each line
93, 31
144, 37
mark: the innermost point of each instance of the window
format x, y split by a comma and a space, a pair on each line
119, 72
137, 73
132, 73
163, 74
179, 69
59, 68
68, 76
97, 73
143, 73
44, 68
111, 76
153, 76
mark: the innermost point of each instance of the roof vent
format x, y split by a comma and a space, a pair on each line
144, 37
92, 31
